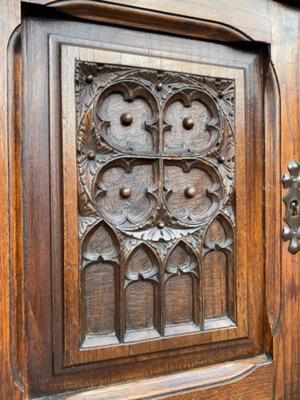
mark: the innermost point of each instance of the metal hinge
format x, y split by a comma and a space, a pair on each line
292, 203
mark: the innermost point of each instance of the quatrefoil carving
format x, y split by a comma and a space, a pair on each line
155, 152
156, 165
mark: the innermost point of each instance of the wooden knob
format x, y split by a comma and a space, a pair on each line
125, 192
190, 192
160, 224
89, 78
159, 86
91, 155
126, 119
188, 123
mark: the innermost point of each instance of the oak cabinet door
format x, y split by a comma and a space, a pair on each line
144, 186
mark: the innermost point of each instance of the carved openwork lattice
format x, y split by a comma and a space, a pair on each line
156, 166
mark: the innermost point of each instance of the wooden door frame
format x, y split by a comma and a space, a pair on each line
272, 23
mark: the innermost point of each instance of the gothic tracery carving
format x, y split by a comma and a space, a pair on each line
156, 163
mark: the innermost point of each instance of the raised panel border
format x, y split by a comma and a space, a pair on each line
270, 196
203, 18
252, 377
165, 62
283, 18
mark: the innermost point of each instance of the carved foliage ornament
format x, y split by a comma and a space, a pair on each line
156, 159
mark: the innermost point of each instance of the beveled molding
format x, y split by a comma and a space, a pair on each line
272, 148
53, 38
69, 54
198, 382
135, 17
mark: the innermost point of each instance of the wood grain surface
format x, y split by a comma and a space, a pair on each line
234, 381
285, 48
275, 25
11, 379
238, 18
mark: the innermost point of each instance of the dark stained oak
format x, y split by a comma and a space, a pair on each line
13, 359
131, 123
141, 200
149, 208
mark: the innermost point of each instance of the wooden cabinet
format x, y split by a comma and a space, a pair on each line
144, 204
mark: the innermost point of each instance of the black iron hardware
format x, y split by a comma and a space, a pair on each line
292, 203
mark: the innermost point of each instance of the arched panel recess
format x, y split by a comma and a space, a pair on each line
142, 304
100, 280
218, 275
100, 303
181, 291
100, 242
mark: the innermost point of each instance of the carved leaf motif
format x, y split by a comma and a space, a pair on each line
92, 152
162, 248
91, 155
85, 203
86, 88
226, 159
91, 78
127, 243
165, 234
85, 223
223, 90
195, 239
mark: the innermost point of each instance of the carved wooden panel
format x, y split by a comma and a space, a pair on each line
156, 199
149, 165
